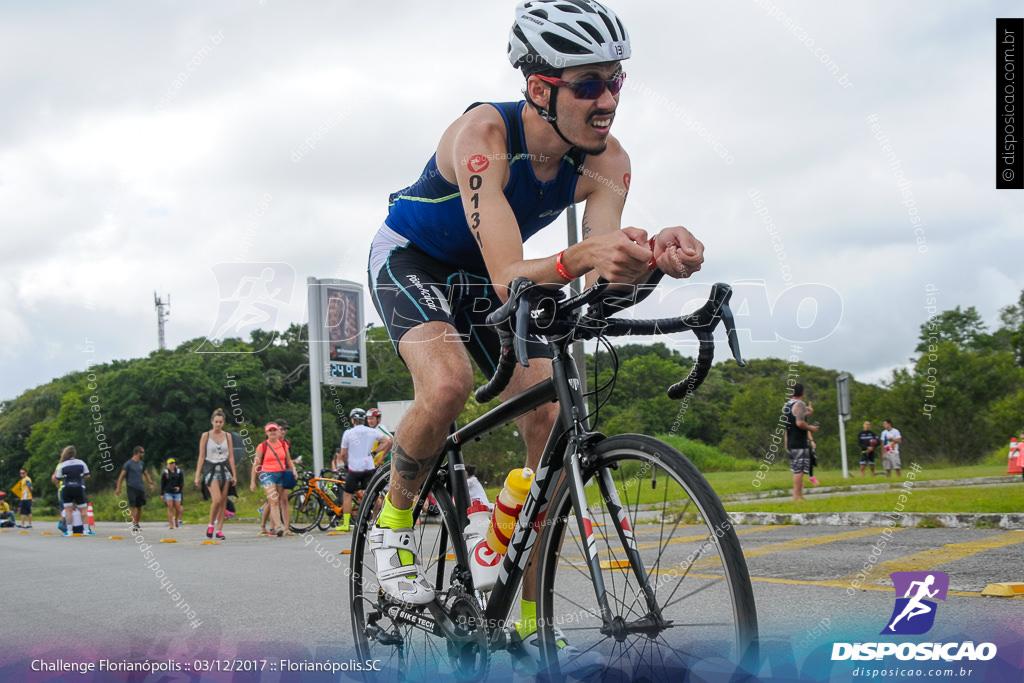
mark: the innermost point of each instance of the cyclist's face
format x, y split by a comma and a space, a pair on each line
587, 122
372, 420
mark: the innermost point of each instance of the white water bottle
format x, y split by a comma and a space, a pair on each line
485, 573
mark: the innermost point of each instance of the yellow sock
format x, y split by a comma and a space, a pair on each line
527, 619
393, 518
347, 519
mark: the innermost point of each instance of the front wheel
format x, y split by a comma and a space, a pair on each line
306, 509
675, 580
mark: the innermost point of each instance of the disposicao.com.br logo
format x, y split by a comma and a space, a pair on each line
914, 614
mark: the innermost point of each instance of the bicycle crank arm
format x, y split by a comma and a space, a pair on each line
399, 614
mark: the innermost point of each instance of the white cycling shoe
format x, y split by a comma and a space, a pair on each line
402, 582
571, 660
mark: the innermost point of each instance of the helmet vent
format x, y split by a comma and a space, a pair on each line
562, 45
570, 8
570, 29
611, 27
594, 33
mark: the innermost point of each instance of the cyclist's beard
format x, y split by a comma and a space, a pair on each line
583, 126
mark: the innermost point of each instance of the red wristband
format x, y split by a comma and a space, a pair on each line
565, 274
653, 263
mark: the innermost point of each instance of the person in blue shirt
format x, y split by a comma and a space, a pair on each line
500, 173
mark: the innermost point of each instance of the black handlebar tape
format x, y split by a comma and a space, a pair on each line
502, 374
699, 372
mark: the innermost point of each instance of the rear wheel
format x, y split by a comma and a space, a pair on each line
306, 508
684, 595
406, 652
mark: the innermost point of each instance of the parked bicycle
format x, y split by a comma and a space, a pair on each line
317, 501
644, 569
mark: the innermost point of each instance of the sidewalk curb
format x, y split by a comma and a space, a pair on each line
952, 520
869, 488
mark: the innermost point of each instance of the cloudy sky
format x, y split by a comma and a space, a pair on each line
143, 144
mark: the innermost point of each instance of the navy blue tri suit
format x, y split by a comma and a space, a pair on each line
425, 264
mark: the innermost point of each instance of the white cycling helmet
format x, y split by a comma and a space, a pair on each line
558, 34
357, 415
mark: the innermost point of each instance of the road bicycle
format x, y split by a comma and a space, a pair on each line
638, 565
313, 506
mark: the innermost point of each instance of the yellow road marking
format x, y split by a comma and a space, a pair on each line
658, 544
929, 559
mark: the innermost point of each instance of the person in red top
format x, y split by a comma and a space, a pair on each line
273, 458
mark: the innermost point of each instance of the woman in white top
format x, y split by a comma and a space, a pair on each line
217, 467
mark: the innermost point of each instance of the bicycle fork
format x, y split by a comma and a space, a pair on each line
617, 626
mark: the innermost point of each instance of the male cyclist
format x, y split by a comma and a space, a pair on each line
501, 172
356, 444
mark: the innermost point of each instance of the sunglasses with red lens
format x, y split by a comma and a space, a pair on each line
588, 90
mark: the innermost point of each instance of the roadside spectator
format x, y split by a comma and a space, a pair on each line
282, 432
216, 465
6, 516
73, 472
868, 442
382, 448
172, 483
272, 459
891, 440
23, 489
796, 413
135, 471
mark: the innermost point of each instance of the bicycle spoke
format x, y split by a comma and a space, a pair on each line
668, 600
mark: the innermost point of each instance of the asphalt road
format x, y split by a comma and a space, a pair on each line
95, 597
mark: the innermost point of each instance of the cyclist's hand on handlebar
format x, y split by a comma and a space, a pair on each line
677, 252
622, 256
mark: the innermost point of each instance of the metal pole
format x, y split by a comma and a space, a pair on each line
315, 366
576, 286
843, 401
842, 445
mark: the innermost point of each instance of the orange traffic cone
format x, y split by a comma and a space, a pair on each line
89, 519
1013, 463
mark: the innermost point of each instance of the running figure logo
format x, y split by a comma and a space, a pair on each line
914, 614
251, 296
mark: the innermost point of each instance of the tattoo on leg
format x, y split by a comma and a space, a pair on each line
409, 468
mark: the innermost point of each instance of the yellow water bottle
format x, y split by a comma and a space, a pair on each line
507, 509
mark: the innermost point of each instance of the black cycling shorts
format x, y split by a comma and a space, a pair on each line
410, 287
357, 481
73, 494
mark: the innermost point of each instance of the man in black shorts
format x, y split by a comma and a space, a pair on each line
135, 470
357, 454
868, 442
453, 241
797, 445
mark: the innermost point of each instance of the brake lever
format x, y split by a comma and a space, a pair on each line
730, 330
522, 328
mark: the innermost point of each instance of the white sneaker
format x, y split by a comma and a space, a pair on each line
571, 660
404, 583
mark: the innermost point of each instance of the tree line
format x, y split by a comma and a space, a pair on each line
960, 397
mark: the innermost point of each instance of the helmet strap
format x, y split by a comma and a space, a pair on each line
549, 115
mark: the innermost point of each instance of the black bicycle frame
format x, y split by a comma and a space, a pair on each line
569, 433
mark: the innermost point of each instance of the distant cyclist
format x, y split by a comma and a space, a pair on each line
356, 446
454, 240
73, 473
382, 447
